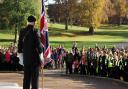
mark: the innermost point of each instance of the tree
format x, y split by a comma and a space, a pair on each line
15, 12
121, 10
109, 11
1, 1
66, 10
91, 13
4, 15
18, 10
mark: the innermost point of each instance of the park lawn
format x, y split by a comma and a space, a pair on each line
105, 35
6, 37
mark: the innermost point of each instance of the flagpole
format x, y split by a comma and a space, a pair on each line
42, 77
44, 27
42, 68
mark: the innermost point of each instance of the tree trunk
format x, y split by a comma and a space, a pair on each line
91, 30
66, 15
66, 23
119, 21
16, 31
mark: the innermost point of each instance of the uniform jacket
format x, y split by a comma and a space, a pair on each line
29, 44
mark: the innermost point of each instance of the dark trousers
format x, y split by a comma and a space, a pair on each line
104, 72
110, 72
116, 72
125, 74
76, 71
91, 70
31, 76
83, 70
55, 64
69, 68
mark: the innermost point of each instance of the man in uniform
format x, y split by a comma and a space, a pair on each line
29, 44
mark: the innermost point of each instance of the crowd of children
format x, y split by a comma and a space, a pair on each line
8, 59
104, 62
96, 61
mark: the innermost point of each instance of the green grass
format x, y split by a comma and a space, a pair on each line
6, 37
86, 44
105, 35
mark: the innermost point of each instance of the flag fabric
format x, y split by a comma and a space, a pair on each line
44, 35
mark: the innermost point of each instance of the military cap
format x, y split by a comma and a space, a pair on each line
31, 18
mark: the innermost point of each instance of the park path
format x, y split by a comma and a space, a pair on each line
54, 79
123, 44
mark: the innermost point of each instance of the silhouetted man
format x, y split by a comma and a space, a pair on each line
30, 45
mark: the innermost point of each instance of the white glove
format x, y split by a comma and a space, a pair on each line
42, 58
20, 56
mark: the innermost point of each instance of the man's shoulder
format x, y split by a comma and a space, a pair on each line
37, 31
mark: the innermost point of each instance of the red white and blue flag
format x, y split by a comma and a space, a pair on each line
44, 35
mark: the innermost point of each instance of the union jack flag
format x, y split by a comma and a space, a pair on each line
44, 35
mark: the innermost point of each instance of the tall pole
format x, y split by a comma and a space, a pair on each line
43, 11
42, 77
42, 67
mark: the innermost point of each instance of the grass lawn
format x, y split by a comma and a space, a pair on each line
105, 35
6, 37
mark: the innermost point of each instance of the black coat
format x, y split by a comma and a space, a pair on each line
30, 45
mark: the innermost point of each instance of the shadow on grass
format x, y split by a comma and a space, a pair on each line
68, 33
75, 32
114, 27
6, 40
114, 33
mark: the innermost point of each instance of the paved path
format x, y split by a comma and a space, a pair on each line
58, 80
122, 44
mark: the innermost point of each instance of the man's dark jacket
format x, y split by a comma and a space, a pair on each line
29, 44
